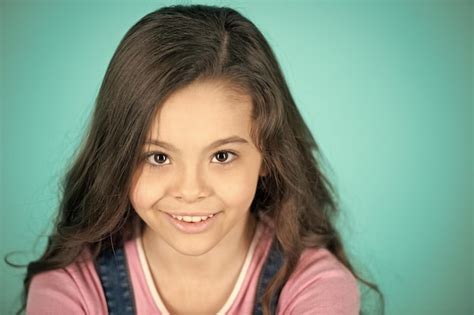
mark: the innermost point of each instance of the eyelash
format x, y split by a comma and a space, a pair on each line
224, 164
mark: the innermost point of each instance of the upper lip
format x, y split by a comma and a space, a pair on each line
192, 214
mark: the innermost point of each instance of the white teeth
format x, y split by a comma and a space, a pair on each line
192, 218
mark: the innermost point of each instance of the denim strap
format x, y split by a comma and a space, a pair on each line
111, 265
270, 268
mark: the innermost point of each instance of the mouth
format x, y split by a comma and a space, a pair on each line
193, 224
193, 218
192, 214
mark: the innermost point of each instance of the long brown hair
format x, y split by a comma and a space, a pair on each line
164, 51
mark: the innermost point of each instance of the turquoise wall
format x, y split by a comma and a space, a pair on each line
386, 87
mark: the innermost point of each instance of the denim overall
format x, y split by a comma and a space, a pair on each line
113, 273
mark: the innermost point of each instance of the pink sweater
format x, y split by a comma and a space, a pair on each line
319, 285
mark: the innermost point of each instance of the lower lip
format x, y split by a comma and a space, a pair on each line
192, 228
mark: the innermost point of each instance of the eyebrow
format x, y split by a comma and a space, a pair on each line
217, 143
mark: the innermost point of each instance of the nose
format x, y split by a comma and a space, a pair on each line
190, 186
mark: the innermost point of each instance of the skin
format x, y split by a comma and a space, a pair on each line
195, 179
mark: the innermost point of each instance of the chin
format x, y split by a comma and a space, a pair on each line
197, 248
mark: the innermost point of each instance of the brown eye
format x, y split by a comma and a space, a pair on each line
160, 158
222, 156
157, 159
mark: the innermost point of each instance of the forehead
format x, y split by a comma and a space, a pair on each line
206, 108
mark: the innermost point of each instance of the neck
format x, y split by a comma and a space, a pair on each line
228, 254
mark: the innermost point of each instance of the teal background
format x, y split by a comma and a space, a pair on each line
386, 87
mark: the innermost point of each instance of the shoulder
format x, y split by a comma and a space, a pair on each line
74, 289
320, 284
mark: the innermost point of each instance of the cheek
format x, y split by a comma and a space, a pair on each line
144, 193
237, 190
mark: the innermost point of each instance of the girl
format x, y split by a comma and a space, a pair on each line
196, 190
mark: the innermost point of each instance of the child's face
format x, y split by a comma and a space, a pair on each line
195, 179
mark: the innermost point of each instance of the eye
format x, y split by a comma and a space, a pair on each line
224, 154
157, 159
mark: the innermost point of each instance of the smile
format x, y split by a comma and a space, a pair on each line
192, 224
192, 219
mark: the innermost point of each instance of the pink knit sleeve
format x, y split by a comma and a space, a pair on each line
54, 292
320, 285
